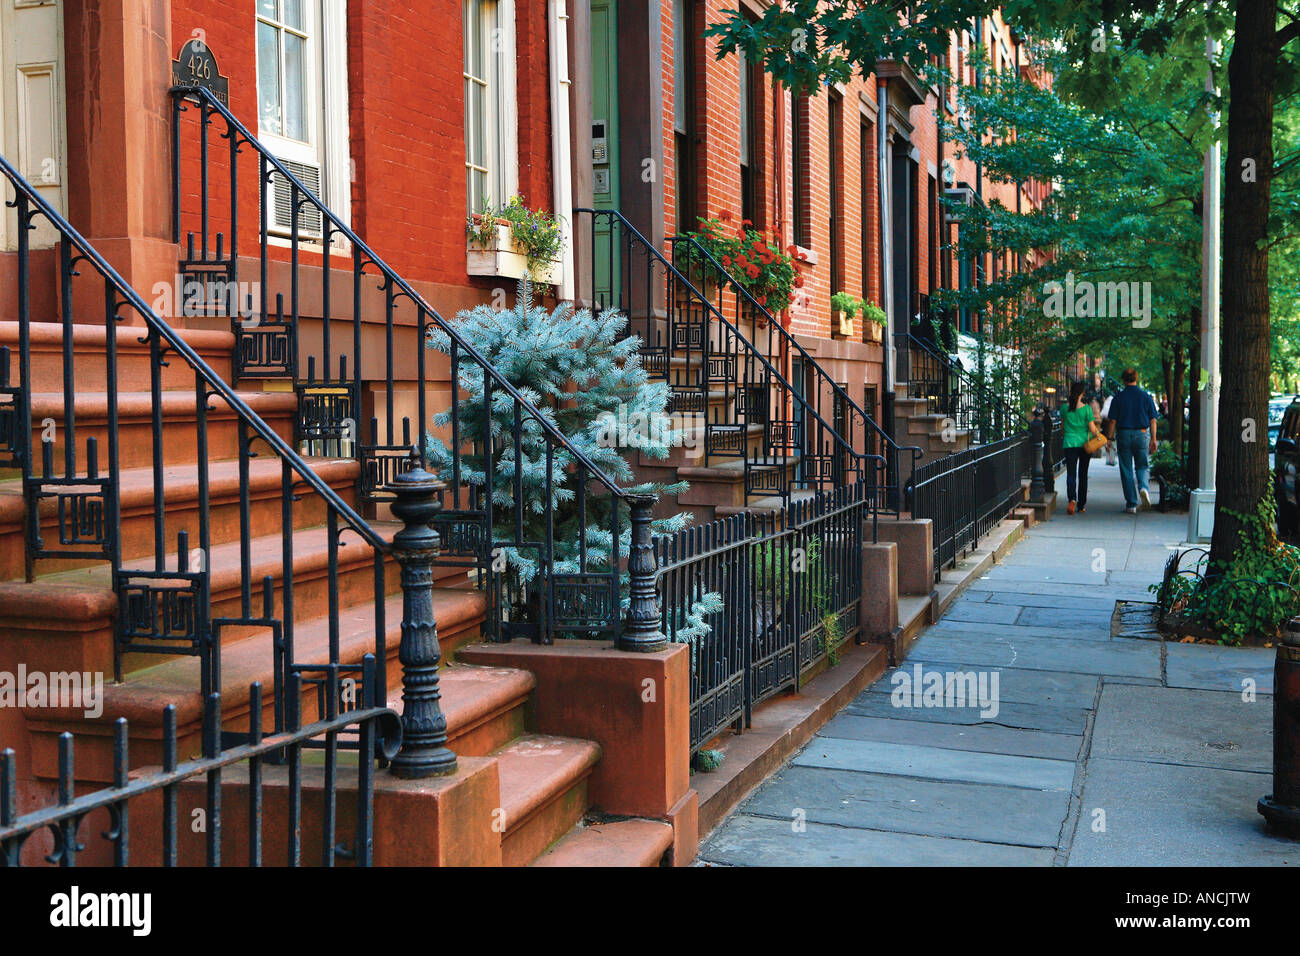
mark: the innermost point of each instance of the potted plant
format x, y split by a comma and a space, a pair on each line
513, 241
873, 322
752, 258
844, 307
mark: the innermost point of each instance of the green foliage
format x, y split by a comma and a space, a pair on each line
1172, 468
845, 302
755, 259
873, 313
549, 357
785, 566
1252, 595
707, 761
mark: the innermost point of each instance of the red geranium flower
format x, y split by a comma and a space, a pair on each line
726, 260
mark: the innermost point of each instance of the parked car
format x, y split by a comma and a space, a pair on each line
1286, 465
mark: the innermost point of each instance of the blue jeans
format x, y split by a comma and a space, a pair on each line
1132, 444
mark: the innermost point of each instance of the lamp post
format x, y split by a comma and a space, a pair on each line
1281, 808
1200, 508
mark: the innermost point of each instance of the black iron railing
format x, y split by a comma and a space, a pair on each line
737, 393
365, 360
167, 601
764, 333
933, 374
790, 591
967, 493
275, 757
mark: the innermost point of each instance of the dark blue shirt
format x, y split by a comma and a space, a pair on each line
1133, 408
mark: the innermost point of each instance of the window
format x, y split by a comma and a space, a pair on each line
750, 122
799, 166
835, 169
491, 161
866, 137
684, 112
302, 105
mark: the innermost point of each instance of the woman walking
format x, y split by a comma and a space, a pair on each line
1080, 424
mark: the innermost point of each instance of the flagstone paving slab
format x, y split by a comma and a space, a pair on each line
1134, 658
1045, 688
937, 763
1212, 667
950, 627
978, 612
1189, 727
1056, 720
968, 811
982, 737
755, 841
1079, 619
1160, 814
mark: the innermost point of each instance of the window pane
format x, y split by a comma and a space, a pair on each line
475, 153
268, 79
295, 88
266, 8
291, 10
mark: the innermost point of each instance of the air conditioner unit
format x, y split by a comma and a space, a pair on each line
281, 194
961, 195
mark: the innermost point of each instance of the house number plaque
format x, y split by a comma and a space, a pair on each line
196, 65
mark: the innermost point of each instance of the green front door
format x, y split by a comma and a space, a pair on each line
604, 145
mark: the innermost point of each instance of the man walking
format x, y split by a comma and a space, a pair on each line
1134, 412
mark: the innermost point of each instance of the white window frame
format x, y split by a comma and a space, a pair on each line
328, 145
501, 116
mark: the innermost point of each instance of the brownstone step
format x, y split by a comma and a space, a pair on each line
135, 426
623, 843
145, 692
543, 792
181, 499
133, 356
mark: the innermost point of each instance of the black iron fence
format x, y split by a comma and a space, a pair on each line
762, 602
966, 494
152, 796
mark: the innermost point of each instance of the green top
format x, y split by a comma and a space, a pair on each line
1076, 425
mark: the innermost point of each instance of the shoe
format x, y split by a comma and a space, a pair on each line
1069, 509
1082, 509
1146, 499
1130, 511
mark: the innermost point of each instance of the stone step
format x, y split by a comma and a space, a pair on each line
543, 792
89, 345
623, 843
135, 426
485, 714
485, 707
180, 486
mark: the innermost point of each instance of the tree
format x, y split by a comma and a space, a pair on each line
574, 367
805, 42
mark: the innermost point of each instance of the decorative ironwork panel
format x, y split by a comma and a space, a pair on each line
161, 612
688, 334
784, 435
82, 515
463, 534
766, 479
266, 350
725, 440
11, 436
326, 415
687, 399
380, 464
584, 600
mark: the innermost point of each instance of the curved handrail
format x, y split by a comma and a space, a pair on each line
390, 275
218, 386
716, 314
783, 332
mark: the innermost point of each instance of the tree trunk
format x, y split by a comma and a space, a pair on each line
1176, 401
1242, 466
1194, 418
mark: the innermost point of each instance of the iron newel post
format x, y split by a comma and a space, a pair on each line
642, 632
424, 750
1037, 486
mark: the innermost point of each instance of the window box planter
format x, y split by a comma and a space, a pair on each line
872, 331
502, 258
843, 323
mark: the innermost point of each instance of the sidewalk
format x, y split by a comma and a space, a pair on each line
1110, 752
